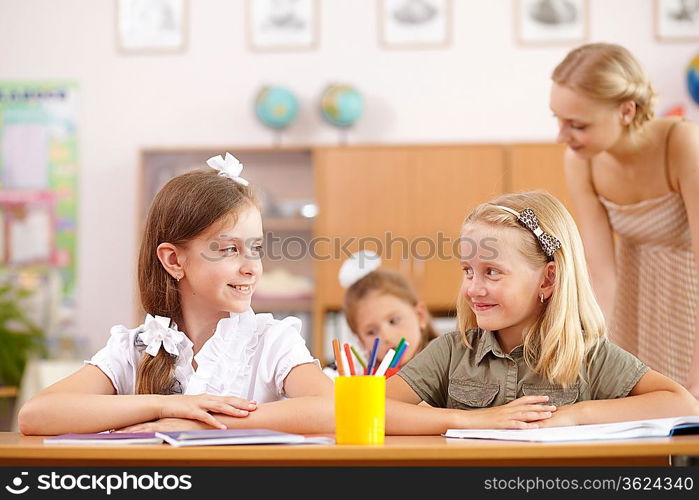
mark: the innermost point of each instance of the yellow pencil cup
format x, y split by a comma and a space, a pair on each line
360, 409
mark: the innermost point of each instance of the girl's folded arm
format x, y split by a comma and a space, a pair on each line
404, 414
309, 408
84, 402
653, 396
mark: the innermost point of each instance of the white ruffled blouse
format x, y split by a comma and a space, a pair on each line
248, 356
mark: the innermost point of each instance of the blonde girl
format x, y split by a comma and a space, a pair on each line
531, 349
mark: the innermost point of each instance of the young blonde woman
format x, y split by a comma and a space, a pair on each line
634, 181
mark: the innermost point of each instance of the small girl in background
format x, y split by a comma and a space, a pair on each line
382, 304
531, 350
202, 358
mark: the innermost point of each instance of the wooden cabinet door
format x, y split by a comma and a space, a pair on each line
538, 166
363, 196
448, 183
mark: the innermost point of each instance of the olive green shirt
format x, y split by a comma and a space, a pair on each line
447, 374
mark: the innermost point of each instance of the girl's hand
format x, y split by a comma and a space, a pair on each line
201, 406
166, 425
522, 413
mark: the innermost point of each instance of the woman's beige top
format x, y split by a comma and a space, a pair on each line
657, 289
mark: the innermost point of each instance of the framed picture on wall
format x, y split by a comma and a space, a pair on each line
275, 25
676, 20
151, 25
550, 22
414, 23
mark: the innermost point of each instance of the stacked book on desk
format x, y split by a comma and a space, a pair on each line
207, 437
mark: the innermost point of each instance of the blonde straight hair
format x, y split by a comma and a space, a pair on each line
571, 323
609, 73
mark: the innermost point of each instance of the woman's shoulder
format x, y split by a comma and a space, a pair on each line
577, 171
682, 137
672, 132
670, 123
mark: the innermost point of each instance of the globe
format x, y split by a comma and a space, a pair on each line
276, 107
341, 105
693, 78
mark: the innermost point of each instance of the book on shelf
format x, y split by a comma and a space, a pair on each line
658, 427
104, 438
210, 437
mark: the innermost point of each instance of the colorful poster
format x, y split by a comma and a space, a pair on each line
38, 177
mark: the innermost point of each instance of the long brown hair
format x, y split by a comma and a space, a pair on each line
187, 205
610, 73
386, 282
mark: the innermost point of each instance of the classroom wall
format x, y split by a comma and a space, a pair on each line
483, 88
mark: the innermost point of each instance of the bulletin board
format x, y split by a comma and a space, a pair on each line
38, 177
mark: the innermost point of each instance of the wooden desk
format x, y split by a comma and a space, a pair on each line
18, 450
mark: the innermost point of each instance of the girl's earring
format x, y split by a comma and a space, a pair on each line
178, 277
541, 297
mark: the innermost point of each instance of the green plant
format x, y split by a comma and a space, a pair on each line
19, 336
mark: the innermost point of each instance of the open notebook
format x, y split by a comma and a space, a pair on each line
211, 437
208, 437
659, 427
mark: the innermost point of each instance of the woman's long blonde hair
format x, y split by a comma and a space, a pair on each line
187, 205
610, 73
571, 323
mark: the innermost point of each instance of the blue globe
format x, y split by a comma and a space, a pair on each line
276, 107
693, 78
341, 105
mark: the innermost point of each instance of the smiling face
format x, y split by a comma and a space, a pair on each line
388, 318
587, 126
222, 265
500, 285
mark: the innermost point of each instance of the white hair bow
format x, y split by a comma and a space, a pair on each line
357, 266
157, 333
228, 167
